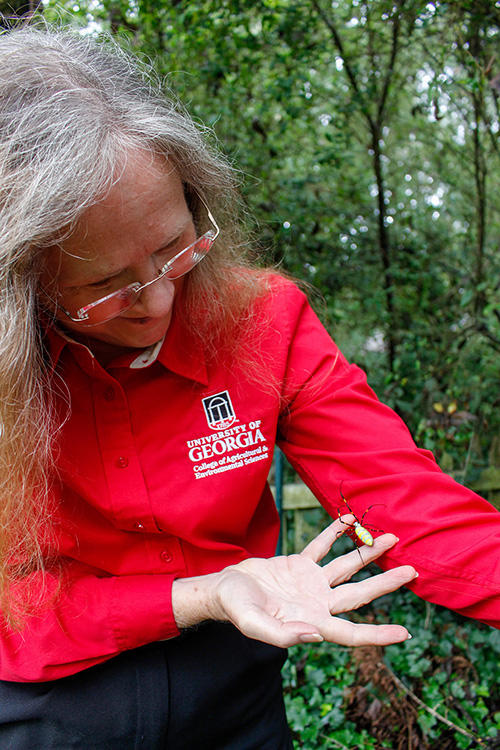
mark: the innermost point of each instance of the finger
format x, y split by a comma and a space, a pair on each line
259, 625
321, 545
263, 627
354, 595
347, 633
343, 568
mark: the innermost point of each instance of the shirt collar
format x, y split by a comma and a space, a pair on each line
55, 341
177, 352
182, 354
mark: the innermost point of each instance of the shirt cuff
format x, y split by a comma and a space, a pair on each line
142, 610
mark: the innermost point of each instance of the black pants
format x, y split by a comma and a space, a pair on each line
209, 689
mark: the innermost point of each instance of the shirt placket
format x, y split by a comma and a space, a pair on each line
125, 480
130, 500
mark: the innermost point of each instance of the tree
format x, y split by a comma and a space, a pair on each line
366, 134
13, 10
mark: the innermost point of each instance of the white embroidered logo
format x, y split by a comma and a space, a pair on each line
229, 446
219, 411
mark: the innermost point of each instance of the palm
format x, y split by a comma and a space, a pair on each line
290, 599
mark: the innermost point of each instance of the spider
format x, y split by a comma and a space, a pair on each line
358, 526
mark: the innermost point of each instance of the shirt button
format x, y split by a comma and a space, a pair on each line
166, 556
138, 527
122, 462
109, 393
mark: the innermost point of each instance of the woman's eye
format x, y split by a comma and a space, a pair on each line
169, 251
102, 284
173, 248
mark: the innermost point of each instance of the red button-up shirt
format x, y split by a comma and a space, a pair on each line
164, 461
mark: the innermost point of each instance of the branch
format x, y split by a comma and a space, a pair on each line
333, 741
467, 733
392, 60
347, 65
484, 330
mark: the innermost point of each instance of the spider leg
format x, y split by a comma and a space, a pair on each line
345, 501
359, 553
353, 537
346, 504
375, 505
344, 522
370, 527
349, 526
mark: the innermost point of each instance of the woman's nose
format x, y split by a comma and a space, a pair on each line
156, 299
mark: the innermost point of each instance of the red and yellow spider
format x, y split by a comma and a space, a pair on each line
361, 530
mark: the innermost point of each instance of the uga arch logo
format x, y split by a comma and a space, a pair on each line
219, 411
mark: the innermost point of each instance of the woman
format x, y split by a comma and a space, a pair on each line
146, 372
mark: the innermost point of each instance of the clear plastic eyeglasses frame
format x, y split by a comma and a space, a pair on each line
114, 304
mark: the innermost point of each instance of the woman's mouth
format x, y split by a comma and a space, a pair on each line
139, 321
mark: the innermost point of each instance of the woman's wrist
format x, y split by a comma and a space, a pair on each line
195, 600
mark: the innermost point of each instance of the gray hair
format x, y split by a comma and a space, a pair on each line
70, 109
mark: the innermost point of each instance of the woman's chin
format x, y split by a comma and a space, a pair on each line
119, 335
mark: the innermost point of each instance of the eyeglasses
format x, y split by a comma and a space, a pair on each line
123, 299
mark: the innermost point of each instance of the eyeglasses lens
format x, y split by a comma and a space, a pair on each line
111, 306
190, 257
118, 302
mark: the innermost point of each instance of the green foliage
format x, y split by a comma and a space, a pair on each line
439, 690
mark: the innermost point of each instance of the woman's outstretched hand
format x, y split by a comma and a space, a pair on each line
292, 599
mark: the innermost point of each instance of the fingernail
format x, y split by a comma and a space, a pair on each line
416, 575
311, 638
409, 637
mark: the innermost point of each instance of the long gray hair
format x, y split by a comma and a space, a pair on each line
70, 108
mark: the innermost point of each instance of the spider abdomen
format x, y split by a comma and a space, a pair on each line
363, 534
